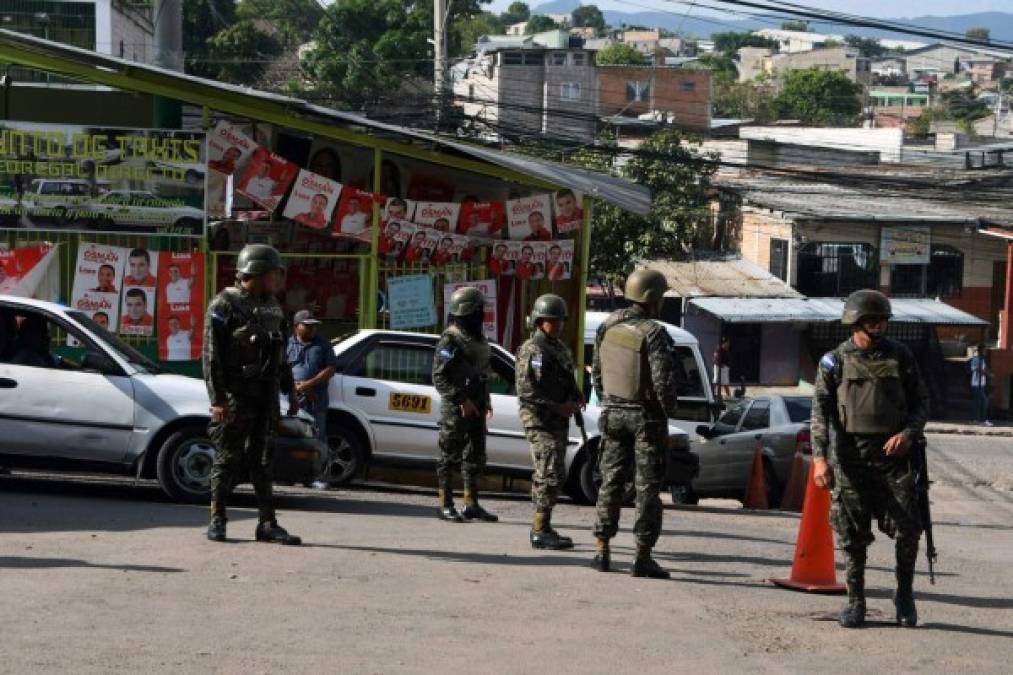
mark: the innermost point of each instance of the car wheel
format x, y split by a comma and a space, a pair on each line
590, 481
184, 465
685, 495
345, 458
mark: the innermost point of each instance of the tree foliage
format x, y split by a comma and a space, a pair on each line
470, 29
242, 52
538, 24
515, 13
743, 100
868, 47
722, 67
815, 96
800, 25
202, 19
293, 21
620, 54
730, 43
588, 16
980, 33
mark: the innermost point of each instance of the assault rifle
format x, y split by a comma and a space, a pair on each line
578, 419
922, 483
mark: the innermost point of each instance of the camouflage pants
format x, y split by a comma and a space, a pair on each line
624, 433
462, 446
244, 443
548, 451
869, 485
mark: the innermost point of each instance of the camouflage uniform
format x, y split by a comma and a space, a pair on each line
638, 427
461, 371
858, 390
244, 367
544, 381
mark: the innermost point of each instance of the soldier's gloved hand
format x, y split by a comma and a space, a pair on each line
469, 409
822, 475
896, 445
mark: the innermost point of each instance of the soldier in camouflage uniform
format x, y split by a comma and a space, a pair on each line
548, 396
870, 406
460, 375
244, 367
635, 377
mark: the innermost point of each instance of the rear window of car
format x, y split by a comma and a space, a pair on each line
799, 409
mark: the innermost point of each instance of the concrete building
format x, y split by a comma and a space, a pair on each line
791, 41
682, 95
943, 59
984, 70
634, 36
754, 62
890, 66
894, 106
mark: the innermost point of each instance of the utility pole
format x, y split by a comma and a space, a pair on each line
441, 9
168, 19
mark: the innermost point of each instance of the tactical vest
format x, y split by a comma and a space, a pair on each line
870, 396
256, 340
625, 370
476, 354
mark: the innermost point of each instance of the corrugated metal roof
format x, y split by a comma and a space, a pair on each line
622, 193
819, 310
733, 277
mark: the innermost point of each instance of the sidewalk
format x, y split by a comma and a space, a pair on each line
1002, 429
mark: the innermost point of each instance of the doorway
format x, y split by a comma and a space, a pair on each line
746, 341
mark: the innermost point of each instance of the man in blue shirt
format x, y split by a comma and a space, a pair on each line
313, 363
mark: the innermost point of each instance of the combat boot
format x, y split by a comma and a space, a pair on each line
646, 566
543, 536
904, 599
271, 532
447, 510
602, 557
472, 510
853, 614
216, 530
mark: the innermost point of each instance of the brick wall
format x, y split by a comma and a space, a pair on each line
684, 92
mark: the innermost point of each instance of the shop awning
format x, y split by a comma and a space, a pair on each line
824, 310
296, 113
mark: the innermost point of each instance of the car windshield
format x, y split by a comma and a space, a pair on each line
800, 408
125, 351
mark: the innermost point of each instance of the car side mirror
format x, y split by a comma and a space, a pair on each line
99, 362
703, 431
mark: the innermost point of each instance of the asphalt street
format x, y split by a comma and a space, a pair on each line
98, 575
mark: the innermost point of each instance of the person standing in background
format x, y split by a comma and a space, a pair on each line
980, 376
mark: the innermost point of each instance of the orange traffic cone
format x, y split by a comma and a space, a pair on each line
813, 569
756, 488
794, 491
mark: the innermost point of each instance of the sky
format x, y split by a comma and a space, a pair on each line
876, 8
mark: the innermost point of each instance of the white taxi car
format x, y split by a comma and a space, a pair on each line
142, 208
385, 409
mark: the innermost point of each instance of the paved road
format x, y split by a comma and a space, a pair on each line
102, 576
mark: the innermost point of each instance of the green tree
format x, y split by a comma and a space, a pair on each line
470, 29
515, 13
202, 19
722, 66
538, 24
729, 43
980, 33
242, 53
869, 47
364, 49
589, 16
292, 20
800, 25
620, 54
817, 96
743, 100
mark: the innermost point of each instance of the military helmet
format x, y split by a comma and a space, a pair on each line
646, 287
257, 259
465, 301
548, 306
865, 304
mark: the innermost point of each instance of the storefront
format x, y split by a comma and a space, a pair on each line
378, 223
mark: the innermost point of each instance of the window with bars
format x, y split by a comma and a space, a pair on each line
832, 269
942, 277
569, 90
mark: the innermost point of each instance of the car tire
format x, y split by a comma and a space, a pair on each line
684, 495
346, 457
590, 482
184, 465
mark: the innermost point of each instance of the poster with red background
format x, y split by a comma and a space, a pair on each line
267, 178
355, 214
180, 302
482, 219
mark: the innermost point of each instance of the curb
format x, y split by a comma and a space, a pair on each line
998, 432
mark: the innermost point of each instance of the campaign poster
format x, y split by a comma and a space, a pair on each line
529, 218
24, 268
355, 214
312, 201
568, 214
229, 149
180, 302
267, 178
98, 279
500, 263
440, 216
559, 260
411, 301
420, 243
449, 249
394, 237
527, 262
481, 219
488, 288
142, 268
137, 311
396, 208
96, 179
